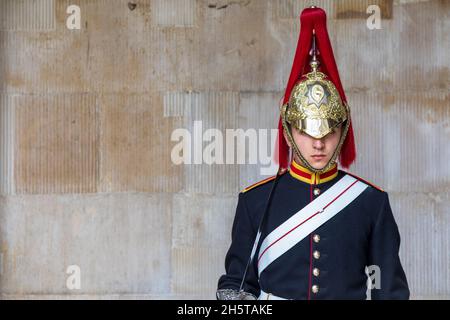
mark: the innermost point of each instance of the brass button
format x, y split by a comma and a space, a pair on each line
316, 191
316, 255
316, 238
316, 272
315, 288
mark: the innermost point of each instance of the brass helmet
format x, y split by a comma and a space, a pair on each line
315, 108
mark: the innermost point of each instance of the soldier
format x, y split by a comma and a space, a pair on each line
311, 231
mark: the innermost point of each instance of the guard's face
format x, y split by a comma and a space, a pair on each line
317, 151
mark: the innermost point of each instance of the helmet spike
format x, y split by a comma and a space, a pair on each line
314, 63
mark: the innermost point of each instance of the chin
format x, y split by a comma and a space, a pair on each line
317, 164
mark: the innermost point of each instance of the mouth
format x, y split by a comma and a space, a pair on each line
318, 157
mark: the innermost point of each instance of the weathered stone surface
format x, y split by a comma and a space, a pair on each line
174, 13
203, 221
196, 271
402, 139
259, 112
86, 118
206, 118
119, 241
6, 144
135, 145
351, 9
237, 48
56, 144
35, 15
201, 238
407, 53
423, 220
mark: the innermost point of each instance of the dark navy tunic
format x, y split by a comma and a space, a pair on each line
362, 234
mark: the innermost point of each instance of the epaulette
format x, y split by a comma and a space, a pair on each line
260, 183
365, 181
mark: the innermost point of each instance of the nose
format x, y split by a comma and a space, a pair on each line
318, 144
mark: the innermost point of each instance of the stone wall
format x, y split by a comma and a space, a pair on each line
86, 118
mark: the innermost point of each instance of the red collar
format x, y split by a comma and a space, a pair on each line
305, 175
